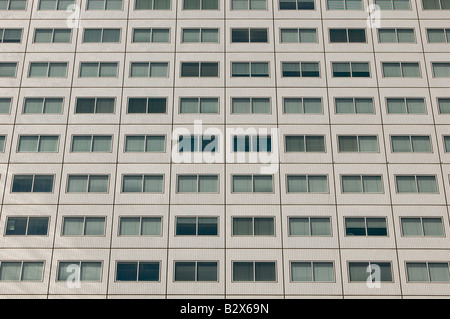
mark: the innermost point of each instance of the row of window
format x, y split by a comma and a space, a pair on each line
187, 184
242, 271
235, 5
304, 226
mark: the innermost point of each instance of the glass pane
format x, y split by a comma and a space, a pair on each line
243, 271
308, 35
57, 70
345, 106
10, 271
187, 184
341, 69
210, 35
401, 4
132, 184
372, 184
396, 106
209, 69
108, 69
210, 4
310, 69
91, 271
265, 271
37, 69
239, 4
315, 143
28, 143
312, 106
348, 143
436, 35
209, 105
239, 69
155, 143
376, 227
360, 70
260, 69
242, 226
135, 144
338, 36
260, 105
368, 144
336, 5
191, 35
98, 184
323, 272
439, 272
111, 35
290, 69
299, 226
242, 184
96, 4
43, 184
189, 69
207, 226
426, 184
32, 271
148, 271
296, 184
293, 105
144, 4
186, 226
113, 4
16, 226
441, 70
81, 143
387, 35
351, 184
289, 35
406, 35
22, 184
401, 144
184, 271
105, 105
317, 184
137, 105
411, 70
43, 35
189, 105
77, 184
356, 35
391, 70
94, 226
411, 227
73, 226
158, 69
320, 227
162, 5
47, 4
160, 35
355, 227
53, 105
129, 226
89, 69
153, 183
262, 184
101, 143
240, 35
241, 105
141, 35
417, 272
358, 271
126, 271
444, 106
295, 143
258, 35
92, 35
17, 4
48, 144
421, 144
264, 226
301, 271
432, 227
207, 271
151, 226
5, 105
208, 184
67, 269
406, 184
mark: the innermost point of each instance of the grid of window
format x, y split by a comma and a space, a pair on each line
307, 183
362, 184
95, 105
300, 69
83, 226
140, 226
309, 226
200, 35
361, 271
139, 271
304, 143
32, 184
87, 183
253, 226
250, 69
196, 226
84, 271
101, 36
47, 105
199, 69
316, 271
401, 70
252, 35
197, 183
416, 184
10, 35
21, 270
38, 143
358, 143
422, 226
351, 69
298, 35
193, 271
252, 143
52, 35
365, 226
354, 106
98, 69
386, 35
143, 35
252, 183
427, 272
250, 105
347, 35
142, 183
48, 70
26, 226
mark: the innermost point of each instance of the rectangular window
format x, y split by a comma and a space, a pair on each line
307, 183
87, 183
200, 35
186, 271
252, 143
8, 69
362, 184
396, 36
200, 4
249, 36
438, 35
444, 105
200, 69
441, 70
250, 105
309, 226
300, 69
299, 105
198, 143
411, 143
304, 143
316, 271
298, 35
344, 5
149, 69
393, 4
362, 271
143, 105
55, 4
98, 69
52, 35
196, 226
422, 226
38, 143
21, 270
365, 226
95, 105
142, 183
91, 143
249, 271
405, 105
436, 4
401, 70
26, 226
48, 70
253, 226
196, 105
101, 35
250, 69
13, 5
32, 184
358, 143
10, 35
248, 5
83, 226
198, 184
354, 105
2, 143
145, 143
85, 270
43, 105
447, 143
151, 35
347, 35
152, 5
427, 272
5, 105
104, 5
351, 69
297, 5
140, 226
416, 184
144, 271
252, 183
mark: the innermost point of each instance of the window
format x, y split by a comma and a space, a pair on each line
84, 270
316, 271
362, 271
43, 105
145, 143
252, 183
401, 69
351, 69
32, 184
344, 5
200, 4
98, 69
199, 69
87, 183
444, 105
296, 4
152, 5
250, 105
38, 143
200, 35
101, 36
196, 226
298, 35
26, 226
142, 183
304, 143
427, 272
198, 184
252, 143
198, 143
347, 35
13, 5
250, 69
359, 143
441, 70
21, 270
248, 5
354, 105
104, 5
5, 105
83, 226
393, 4
55, 4
150, 105
195, 271
253, 226
446, 143
91, 143
52, 35
309, 226
422, 226
264, 271
416, 184
196, 105
48, 70
2, 143
396, 36
151, 35
96, 105
365, 226
10, 35
411, 143
405, 105
307, 183
149, 69
362, 184
300, 69
436, 4
8, 69
140, 226
299, 105
438, 35
249, 35
138, 270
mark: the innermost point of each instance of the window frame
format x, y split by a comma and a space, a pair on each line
28, 222
422, 226
196, 271
253, 184
87, 183
43, 262
198, 184
253, 235
143, 183
366, 227
196, 225
309, 226
84, 226
161, 218
362, 185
